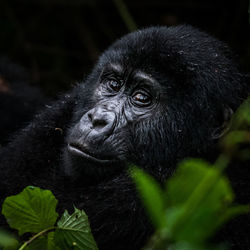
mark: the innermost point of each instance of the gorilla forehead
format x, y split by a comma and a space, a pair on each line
194, 61
167, 47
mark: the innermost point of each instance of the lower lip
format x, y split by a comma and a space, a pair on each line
78, 152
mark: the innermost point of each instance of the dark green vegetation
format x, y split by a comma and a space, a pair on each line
34, 211
194, 204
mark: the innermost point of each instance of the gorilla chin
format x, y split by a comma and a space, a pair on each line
80, 151
81, 160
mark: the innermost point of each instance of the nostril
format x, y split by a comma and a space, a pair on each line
99, 123
90, 116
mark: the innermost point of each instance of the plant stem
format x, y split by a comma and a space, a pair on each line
36, 236
125, 14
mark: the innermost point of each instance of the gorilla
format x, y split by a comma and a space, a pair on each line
155, 96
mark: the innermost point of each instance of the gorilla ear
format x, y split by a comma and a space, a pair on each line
218, 132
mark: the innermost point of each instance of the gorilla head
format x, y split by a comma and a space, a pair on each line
154, 97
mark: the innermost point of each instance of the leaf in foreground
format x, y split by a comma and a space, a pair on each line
199, 200
151, 194
33, 210
74, 231
7, 241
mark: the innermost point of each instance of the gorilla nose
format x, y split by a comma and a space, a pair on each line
101, 119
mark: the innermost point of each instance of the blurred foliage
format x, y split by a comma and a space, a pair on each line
8, 241
196, 202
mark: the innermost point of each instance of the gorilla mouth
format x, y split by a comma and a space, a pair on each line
79, 151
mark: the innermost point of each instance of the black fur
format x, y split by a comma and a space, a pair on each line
193, 83
18, 100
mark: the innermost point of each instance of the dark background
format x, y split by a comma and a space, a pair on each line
58, 41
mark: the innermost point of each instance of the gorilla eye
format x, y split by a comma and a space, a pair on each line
114, 85
142, 98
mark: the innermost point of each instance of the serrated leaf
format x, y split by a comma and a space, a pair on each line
74, 232
33, 210
152, 196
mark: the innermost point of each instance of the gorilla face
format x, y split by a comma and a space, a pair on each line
155, 97
123, 97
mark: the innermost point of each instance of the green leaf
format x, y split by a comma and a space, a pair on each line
193, 174
7, 241
236, 137
241, 118
197, 196
74, 232
33, 210
232, 212
152, 196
